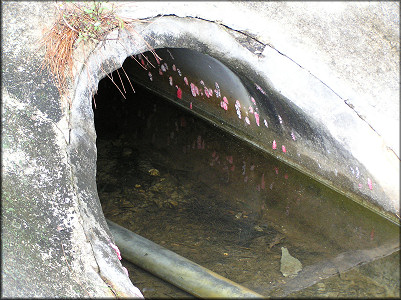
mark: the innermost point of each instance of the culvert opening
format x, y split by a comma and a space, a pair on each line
167, 174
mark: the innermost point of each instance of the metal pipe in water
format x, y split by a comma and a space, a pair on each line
174, 268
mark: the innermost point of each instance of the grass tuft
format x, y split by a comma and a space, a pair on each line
78, 23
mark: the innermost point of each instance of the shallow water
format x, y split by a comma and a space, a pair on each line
215, 200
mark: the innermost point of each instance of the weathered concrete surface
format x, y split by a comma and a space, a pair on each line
295, 78
352, 47
54, 242
261, 118
55, 238
338, 62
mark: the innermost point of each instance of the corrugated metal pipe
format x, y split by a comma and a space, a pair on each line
174, 268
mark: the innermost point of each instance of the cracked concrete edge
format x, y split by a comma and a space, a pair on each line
306, 92
264, 44
217, 47
247, 34
353, 133
310, 45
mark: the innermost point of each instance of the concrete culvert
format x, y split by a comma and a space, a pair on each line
322, 143
173, 168
273, 110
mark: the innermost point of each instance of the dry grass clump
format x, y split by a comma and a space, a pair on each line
75, 23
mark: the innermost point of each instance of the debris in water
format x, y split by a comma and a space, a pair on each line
277, 240
290, 266
154, 172
262, 184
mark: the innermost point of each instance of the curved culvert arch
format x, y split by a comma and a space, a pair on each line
317, 150
311, 144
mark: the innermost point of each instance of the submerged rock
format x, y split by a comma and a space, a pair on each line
154, 172
290, 266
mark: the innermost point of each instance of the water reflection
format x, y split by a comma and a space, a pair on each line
211, 198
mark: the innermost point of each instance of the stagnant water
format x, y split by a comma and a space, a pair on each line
194, 189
